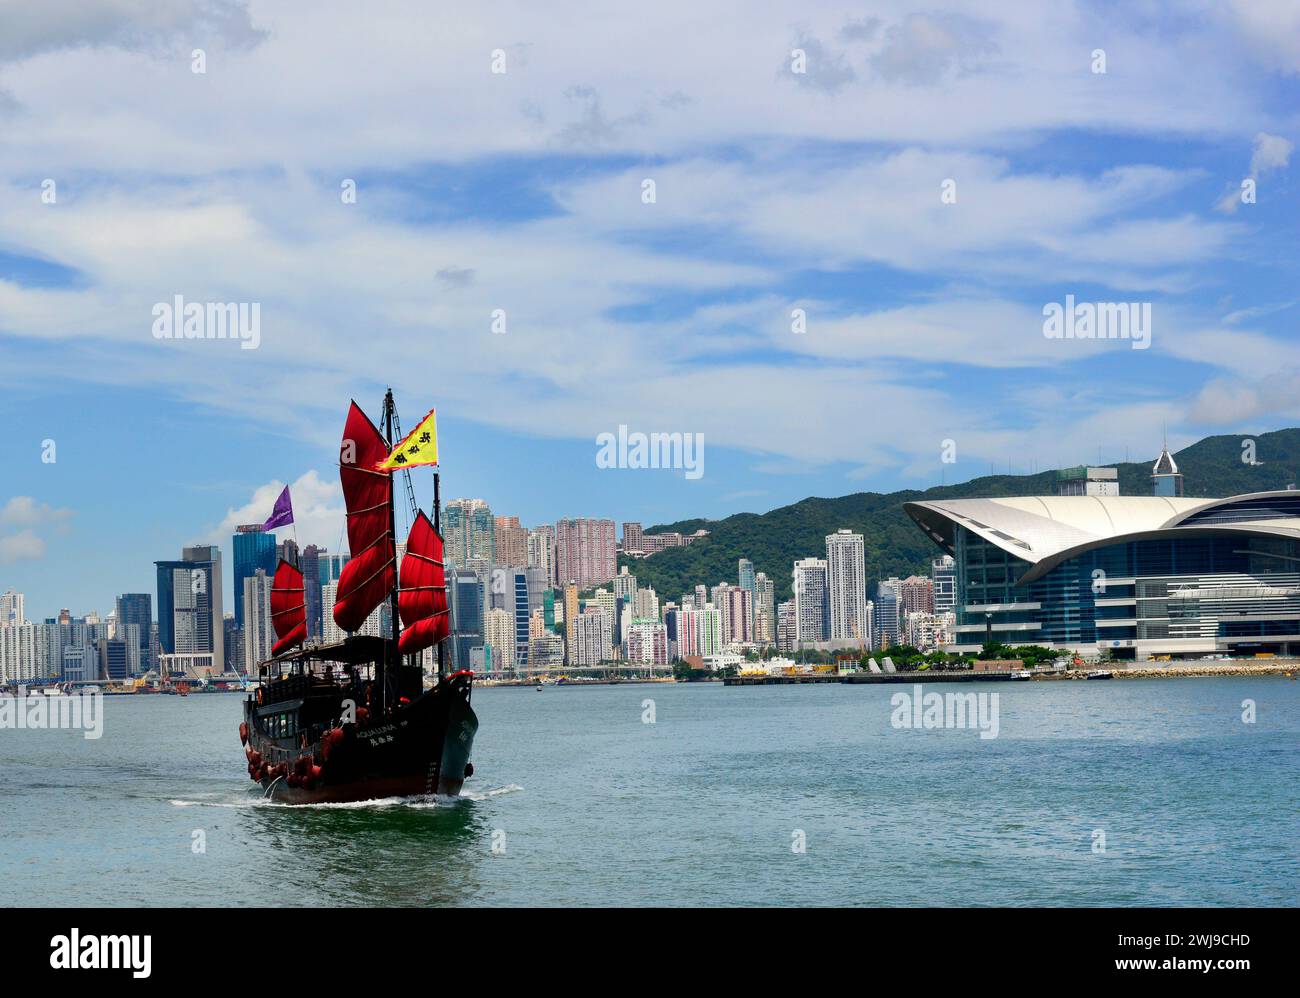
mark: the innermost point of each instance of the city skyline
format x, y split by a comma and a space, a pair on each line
311, 510
920, 245
499, 628
516, 587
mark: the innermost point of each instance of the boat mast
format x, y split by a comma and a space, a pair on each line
392, 541
437, 525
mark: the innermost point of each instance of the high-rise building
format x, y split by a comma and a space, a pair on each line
915, 595
258, 633
1084, 481
375, 625
787, 630
645, 604
511, 542
632, 538
137, 608
115, 659
625, 585
570, 622
80, 662
11, 608
764, 609
329, 567
736, 609
537, 586
234, 645
812, 609
25, 652
254, 549
684, 629
469, 530
718, 597
499, 635
622, 622
672, 629
746, 574
541, 551
546, 651
606, 600
519, 606
189, 604
585, 551
1166, 480
466, 591
72, 648
311, 583
595, 639
710, 638
647, 642
886, 622
927, 631
943, 579
287, 550
129, 635
846, 585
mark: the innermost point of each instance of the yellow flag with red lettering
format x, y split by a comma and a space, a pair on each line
418, 447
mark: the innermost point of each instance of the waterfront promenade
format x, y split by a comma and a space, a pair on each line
1170, 670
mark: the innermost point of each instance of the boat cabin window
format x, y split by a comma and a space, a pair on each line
283, 725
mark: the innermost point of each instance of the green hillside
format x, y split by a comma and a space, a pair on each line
894, 546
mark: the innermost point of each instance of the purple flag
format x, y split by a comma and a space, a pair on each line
283, 512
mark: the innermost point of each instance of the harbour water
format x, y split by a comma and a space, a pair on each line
1124, 793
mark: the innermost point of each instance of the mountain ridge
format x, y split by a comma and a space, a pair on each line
1212, 467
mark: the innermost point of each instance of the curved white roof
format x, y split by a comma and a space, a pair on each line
1046, 530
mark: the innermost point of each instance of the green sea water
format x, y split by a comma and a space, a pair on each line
1124, 793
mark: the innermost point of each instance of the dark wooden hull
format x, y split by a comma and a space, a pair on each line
419, 748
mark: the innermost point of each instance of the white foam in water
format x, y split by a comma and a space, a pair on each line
421, 801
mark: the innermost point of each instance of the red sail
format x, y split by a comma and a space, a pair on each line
422, 600
371, 575
288, 608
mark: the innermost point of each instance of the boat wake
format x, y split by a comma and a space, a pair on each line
420, 802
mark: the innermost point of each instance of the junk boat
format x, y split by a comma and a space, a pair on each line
351, 720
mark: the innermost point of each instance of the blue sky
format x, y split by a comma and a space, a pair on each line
522, 191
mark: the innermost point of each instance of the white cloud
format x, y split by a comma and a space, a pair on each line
22, 546
886, 208
1269, 28
225, 187
297, 89
318, 512
152, 26
24, 511
1271, 152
